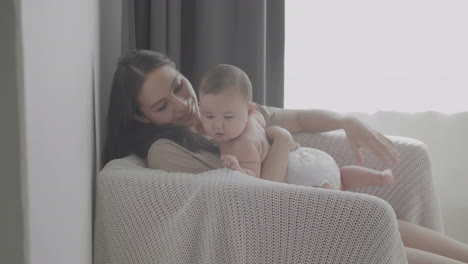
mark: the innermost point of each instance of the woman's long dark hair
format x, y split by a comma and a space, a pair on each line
125, 134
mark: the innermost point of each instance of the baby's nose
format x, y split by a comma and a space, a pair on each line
219, 124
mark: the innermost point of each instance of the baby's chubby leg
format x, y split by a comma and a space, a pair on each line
354, 177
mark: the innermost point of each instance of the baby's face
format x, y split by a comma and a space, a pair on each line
224, 115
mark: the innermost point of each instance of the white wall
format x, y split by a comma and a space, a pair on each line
59, 52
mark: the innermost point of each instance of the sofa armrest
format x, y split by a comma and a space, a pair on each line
223, 216
412, 196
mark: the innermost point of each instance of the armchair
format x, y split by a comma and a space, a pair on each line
223, 216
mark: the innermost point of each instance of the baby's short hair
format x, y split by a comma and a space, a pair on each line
224, 75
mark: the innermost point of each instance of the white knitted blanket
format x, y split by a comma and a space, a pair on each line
223, 216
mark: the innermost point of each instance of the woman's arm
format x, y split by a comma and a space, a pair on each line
313, 120
358, 133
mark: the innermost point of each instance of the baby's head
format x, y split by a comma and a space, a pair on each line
225, 96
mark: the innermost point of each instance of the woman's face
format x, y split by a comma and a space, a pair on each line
167, 98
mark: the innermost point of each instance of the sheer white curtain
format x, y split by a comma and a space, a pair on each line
404, 55
402, 65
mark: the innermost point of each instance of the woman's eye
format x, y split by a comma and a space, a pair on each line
228, 117
162, 107
209, 117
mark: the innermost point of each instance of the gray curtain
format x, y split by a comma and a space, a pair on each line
198, 34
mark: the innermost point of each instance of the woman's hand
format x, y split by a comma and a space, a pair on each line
278, 133
360, 135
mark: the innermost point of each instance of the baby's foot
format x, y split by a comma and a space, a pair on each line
387, 177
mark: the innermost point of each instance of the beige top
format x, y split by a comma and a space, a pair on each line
165, 154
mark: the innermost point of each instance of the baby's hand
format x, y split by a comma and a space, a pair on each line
231, 162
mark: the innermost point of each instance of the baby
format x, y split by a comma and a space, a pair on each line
229, 116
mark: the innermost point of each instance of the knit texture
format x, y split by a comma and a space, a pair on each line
223, 216
413, 196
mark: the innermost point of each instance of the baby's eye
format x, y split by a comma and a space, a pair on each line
228, 117
209, 117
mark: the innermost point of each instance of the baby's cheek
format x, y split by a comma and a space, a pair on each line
238, 131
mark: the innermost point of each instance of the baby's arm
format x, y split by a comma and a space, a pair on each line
244, 158
249, 168
275, 165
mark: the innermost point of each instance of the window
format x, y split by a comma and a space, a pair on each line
365, 56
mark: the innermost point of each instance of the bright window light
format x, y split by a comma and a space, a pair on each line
366, 56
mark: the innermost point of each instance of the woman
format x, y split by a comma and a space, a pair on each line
153, 112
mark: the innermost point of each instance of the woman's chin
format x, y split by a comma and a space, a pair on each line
187, 124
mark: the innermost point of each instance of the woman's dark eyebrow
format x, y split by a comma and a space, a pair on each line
173, 84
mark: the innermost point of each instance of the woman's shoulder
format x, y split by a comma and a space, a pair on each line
163, 147
164, 142
268, 112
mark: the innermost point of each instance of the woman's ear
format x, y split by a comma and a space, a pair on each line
251, 108
142, 118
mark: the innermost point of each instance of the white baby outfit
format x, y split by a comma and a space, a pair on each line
312, 167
